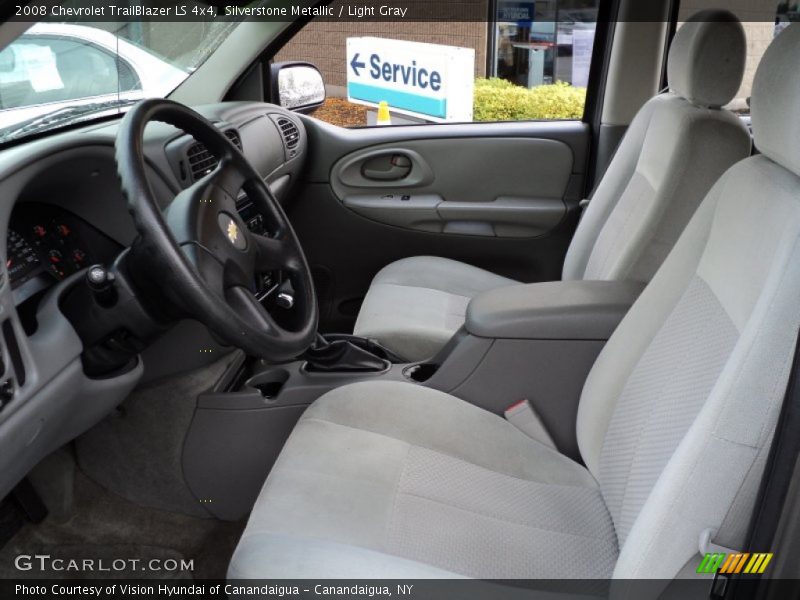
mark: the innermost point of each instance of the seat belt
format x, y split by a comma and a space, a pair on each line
522, 416
775, 485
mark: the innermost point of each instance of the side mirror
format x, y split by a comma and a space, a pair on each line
297, 86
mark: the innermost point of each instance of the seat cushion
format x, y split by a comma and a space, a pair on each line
415, 305
384, 478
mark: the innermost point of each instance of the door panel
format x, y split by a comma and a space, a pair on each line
503, 197
422, 185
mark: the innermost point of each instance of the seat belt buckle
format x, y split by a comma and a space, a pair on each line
522, 416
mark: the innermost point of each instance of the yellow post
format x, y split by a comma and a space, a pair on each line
384, 118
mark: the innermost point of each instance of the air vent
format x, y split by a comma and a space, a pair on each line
233, 136
290, 133
201, 161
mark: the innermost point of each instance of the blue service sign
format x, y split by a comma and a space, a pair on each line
426, 80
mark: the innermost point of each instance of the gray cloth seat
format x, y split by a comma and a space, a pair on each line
677, 146
392, 479
414, 305
385, 461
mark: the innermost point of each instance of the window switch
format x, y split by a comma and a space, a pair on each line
405, 197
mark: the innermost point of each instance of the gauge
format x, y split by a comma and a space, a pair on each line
78, 258
22, 261
57, 266
46, 244
58, 247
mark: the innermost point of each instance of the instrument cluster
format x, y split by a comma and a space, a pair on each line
47, 244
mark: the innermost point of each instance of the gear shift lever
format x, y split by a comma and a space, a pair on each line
343, 353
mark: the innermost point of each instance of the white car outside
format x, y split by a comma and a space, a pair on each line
54, 66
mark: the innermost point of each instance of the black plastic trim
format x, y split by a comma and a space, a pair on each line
598, 78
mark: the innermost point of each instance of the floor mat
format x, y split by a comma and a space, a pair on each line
109, 529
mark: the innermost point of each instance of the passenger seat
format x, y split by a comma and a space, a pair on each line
677, 146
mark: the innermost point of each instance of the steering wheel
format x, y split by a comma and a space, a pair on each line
200, 254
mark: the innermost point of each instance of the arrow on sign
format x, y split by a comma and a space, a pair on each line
356, 64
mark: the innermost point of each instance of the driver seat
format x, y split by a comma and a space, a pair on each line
396, 480
676, 148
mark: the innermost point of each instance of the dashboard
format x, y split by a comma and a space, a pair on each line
75, 215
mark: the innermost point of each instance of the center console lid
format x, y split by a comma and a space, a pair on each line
554, 310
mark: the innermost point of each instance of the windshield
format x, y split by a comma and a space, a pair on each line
56, 73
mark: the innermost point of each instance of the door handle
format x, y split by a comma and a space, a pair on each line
390, 167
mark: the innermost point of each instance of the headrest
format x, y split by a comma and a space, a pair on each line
775, 103
707, 58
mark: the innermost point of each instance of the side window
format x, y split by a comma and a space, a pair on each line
762, 22
41, 70
529, 60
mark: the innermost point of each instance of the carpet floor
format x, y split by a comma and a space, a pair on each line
105, 527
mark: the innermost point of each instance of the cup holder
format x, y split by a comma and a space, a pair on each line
421, 372
269, 382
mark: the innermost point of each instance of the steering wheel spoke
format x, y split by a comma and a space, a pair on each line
273, 254
199, 254
250, 309
209, 268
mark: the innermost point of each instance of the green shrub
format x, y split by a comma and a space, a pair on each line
500, 100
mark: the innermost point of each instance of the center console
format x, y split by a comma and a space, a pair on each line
535, 342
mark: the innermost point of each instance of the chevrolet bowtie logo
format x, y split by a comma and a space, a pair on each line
233, 232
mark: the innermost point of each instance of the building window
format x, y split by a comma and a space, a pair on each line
542, 43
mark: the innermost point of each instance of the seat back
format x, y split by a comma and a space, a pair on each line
677, 147
677, 414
